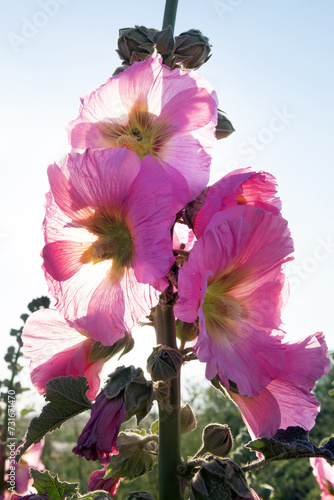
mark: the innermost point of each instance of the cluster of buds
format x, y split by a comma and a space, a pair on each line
187, 51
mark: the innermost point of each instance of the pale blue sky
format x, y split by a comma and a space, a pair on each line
272, 67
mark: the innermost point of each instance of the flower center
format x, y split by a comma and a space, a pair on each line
114, 241
220, 310
145, 133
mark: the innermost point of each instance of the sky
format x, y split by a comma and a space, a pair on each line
272, 68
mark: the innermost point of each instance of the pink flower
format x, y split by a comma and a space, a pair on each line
288, 401
57, 350
324, 474
240, 187
98, 440
233, 283
170, 115
97, 482
30, 459
108, 245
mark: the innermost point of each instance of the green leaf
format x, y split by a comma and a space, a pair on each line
25, 411
50, 485
96, 495
290, 444
67, 398
224, 127
155, 427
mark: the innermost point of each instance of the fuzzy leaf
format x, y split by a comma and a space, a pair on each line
94, 495
290, 444
67, 398
48, 485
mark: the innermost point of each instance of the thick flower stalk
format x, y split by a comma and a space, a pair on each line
57, 350
98, 440
152, 110
107, 233
233, 282
288, 400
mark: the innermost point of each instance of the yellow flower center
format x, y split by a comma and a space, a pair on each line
114, 241
220, 309
145, 133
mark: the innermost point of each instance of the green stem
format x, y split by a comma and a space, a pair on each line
170, 14
169, 421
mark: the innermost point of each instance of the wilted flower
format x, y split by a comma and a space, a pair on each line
107, 233
324, 474
97, 482
233, 282
31, 496
287, 401
152, 110
57, 350
98, 440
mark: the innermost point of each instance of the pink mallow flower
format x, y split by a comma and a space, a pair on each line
240, 187
287, 400
98, 440
152, 110
97, 482
233, 283
324, 474
108, 245
57, 350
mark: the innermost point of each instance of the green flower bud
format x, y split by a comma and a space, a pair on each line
186, 331
224, 127
135, 44
164, 363
216, 440
191, 50
188, 419
137, 455
164, 41
220, 479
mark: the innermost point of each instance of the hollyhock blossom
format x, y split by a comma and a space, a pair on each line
240, 187
324, 474
97, 482
57, 350
288, 401
152, 110
233, 283
98, 440
107, 233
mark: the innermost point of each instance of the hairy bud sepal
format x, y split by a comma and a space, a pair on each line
188, 419
217, 440
164, 363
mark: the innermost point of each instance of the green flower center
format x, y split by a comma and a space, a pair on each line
114, 241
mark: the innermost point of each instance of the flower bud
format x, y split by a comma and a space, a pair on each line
186, 332
135, 44
220, 479
224, 127
188, 419
217, 440
164, 41
164, 363
97, 482
191, 50
136, 455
